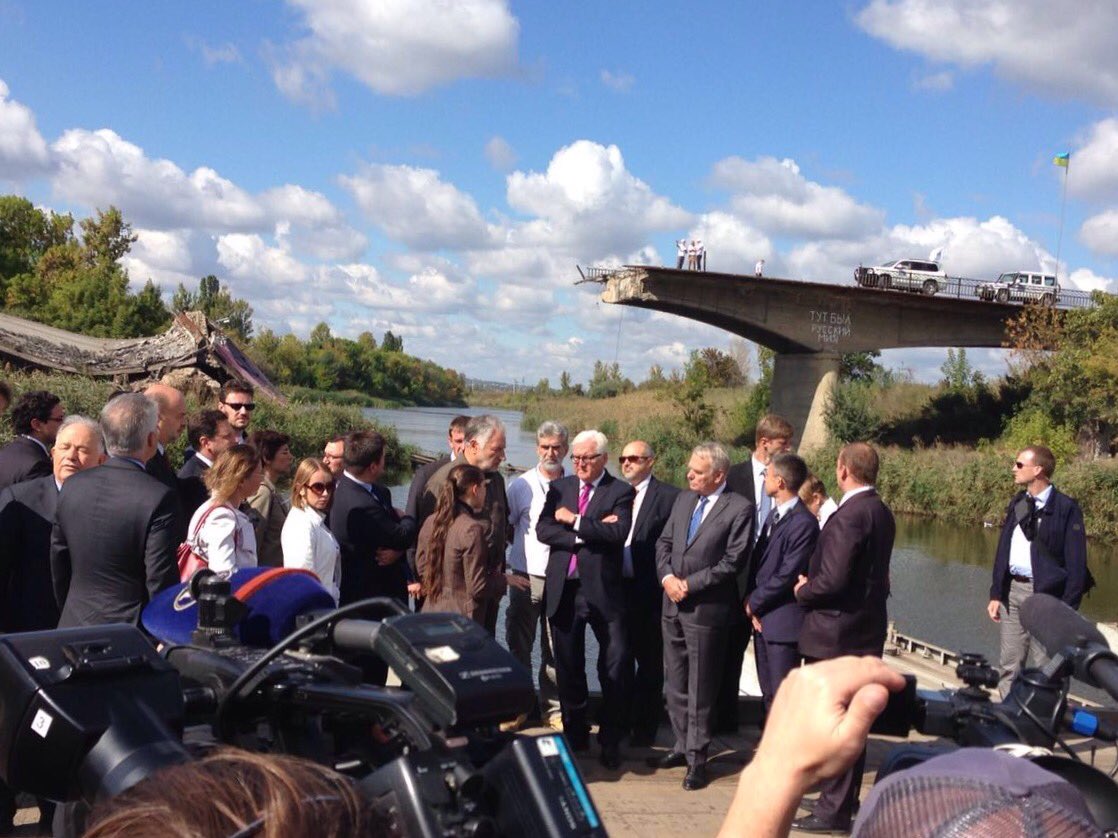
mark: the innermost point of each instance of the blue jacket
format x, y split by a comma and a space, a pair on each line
1061, 568
779, 560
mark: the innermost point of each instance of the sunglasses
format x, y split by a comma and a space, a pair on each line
320, 488
632, 458
239, 406
1019, 464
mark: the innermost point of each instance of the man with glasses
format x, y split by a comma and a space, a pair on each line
333, 456
528, 565
643, 597
235, 401
36, 418
1042, 549
585, 520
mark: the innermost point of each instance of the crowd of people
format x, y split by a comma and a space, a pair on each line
692, 253
672, 583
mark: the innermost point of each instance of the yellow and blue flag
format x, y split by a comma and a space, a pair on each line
1062, 159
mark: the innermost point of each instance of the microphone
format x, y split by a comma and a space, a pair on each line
1058, 628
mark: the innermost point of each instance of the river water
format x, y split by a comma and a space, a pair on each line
940, 571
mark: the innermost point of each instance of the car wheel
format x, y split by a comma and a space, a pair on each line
1003, 295
930, 287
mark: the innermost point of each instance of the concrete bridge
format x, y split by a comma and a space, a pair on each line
809, 325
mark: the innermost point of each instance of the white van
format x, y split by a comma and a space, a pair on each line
1021, 287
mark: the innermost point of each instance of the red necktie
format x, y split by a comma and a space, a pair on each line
583, 501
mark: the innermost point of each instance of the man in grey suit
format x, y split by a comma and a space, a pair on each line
113, 542
704, 547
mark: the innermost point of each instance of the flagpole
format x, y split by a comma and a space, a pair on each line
1063, 207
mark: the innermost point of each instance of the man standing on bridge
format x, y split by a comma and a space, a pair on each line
1042, 549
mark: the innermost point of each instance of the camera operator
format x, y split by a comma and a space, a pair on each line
236, 793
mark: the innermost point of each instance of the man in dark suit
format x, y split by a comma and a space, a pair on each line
113, 542
780, 557
483, 447
645, 668
455, 439
585, 520
1042, 549
773, 435
172, 421
371, 535
209, 433
36, 418
27, 513
703, 549
845, 594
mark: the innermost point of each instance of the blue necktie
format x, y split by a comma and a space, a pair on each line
696, 519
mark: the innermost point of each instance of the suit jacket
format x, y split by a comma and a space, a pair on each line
113, 544
27, 512
22, 459
1060, 569
159, 467
192, 488
848, 581
711, 563
649, 524
739, 480
599, 551
778, 560
363, 522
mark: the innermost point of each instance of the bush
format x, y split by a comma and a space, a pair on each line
1035, 427
850, 415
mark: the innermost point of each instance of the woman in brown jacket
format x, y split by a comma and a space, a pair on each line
451, 553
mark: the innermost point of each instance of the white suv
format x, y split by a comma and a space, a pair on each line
1021, 287
919, 275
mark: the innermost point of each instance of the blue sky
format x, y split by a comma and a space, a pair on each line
439, 168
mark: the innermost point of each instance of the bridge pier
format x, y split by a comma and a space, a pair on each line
801, 385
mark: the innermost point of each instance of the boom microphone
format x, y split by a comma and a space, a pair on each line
1059, 629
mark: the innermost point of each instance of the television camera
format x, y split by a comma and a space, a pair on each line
86, 713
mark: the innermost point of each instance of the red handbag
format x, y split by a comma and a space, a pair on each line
190, 560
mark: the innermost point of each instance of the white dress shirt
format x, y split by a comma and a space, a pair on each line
627, 555
1020, 548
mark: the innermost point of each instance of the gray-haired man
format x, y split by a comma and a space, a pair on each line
528, 565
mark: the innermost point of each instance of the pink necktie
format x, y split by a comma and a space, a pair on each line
583, 501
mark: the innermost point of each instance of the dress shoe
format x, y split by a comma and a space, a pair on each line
696, 777
672, 759
610, 757
817, 825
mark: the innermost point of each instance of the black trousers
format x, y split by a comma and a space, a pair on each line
725, 716
645, 666
568, 633
774, 662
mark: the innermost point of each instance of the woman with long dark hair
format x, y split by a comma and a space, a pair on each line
451, 554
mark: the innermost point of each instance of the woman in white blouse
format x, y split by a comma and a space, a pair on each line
219, 531
307, 543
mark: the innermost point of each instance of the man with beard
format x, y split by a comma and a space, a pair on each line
528, 565
484, 449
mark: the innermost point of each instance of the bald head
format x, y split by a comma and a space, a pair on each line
172, 411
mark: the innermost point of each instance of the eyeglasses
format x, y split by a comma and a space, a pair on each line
586, 458
632, 458
236, 407
320, 488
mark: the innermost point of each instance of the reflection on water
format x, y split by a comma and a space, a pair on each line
940, 571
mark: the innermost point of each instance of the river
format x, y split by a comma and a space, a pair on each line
940, 570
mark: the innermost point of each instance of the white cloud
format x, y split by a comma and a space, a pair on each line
776, 197
213, 54
619, 81
935, 82
248, 257
1100, 232
162, 256
23, 151
589, 204
1051, 47
416, 207
1087, 280
1093, 170
500, 154
732, 245
395, 47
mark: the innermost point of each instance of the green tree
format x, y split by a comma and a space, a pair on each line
655, 379
850, 415
958, 374
230, 313
106, 238
391, 343
721, 369
564, 383
26, 233
607, 381
861, 366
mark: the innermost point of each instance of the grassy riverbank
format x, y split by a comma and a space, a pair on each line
960, 484
308, 423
